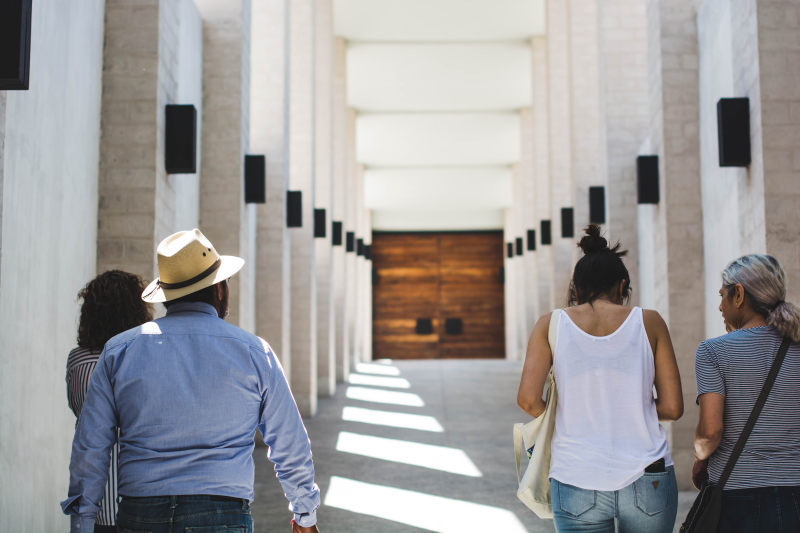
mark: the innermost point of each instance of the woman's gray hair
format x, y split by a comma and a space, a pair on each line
764, 281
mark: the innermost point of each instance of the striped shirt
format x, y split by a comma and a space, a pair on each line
736, 366
80, 364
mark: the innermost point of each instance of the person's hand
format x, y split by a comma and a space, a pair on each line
297, 528
700, 473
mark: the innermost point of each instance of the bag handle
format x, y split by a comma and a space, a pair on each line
751, 422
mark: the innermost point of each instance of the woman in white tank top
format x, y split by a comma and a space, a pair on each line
610, 456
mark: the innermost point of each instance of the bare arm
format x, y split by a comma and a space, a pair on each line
538, 360
708, 434
669, 403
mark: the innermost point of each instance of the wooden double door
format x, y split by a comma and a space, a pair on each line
438, 295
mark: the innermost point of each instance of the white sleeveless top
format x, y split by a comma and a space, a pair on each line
607, 429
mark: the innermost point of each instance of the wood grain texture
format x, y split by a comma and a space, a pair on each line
438, 276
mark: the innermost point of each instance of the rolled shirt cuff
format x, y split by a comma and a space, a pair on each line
306, 519
81, 524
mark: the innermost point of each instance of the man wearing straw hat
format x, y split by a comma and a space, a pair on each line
187, 392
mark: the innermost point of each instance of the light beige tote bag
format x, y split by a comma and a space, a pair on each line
532, 440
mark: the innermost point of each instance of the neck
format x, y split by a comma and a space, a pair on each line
753, 322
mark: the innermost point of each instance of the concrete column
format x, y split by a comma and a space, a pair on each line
778, 60
529, 214
269, 115
341, 148
540, 142
224, 217
521, 281
669, 230
301, 177
587, 154
625, 104
559, 56
350, 225
323, 181
510, 289
131, 114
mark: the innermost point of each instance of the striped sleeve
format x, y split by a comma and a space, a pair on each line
706, 368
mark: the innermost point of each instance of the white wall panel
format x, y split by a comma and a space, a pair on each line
437, 219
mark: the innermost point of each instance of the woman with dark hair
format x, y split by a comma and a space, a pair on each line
763, 490
610, 456
111, 304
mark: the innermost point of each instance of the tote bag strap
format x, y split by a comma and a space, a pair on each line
751, 422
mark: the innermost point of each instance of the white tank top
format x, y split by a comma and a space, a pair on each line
607, 429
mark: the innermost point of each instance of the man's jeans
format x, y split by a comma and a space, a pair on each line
184, 514
648, 505
773, 509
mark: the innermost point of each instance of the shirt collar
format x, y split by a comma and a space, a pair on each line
192, 307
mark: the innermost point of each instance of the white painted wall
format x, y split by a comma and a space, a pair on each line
49, 250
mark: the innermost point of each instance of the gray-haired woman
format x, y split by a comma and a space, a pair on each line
763, 492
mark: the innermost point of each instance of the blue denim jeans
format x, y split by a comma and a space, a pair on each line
184, 514
648, 505
772, 509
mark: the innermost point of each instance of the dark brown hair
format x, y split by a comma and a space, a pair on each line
207, 295
112, 303
599, 270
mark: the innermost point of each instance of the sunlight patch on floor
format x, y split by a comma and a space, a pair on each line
379, 381
384, 396
442, 458
418, 509
391, 419
381, 369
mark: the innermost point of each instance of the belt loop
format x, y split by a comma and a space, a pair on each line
173, 502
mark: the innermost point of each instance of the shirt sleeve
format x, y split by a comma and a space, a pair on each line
95, 434
706, 368
289, 447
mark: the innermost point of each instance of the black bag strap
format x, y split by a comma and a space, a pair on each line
751, 422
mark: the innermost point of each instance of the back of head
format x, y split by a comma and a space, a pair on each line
764, 282
111, 305
599, 271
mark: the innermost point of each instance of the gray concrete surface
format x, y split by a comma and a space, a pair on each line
472, 400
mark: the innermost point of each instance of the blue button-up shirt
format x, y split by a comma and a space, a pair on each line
187, 392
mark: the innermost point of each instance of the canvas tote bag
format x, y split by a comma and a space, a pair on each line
532, 443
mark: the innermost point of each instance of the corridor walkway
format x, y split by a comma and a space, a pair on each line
413, 446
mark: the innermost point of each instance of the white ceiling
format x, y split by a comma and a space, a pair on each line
438, 20
452, 77
437, 85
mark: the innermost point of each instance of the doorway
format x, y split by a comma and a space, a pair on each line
438, 295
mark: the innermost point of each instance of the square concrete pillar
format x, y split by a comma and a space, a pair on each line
301, 178
669, 230
561, 143
510, 289
342, 147
529, 220
625, 104
323, 184
587, 147
351, 225
224, 217
269, 121
541, 169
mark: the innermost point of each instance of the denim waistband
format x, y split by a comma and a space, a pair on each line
183, 498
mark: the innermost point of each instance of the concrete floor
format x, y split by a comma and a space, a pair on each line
451, 468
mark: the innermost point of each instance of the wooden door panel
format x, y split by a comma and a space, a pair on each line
438, 276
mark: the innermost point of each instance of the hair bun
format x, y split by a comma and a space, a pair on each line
593, 242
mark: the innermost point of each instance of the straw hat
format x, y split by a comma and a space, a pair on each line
187, 263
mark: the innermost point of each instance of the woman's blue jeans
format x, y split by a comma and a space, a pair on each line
191, 513
648, 505
773, 509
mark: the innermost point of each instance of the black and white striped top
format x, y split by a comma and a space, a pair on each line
80, 364
736, 366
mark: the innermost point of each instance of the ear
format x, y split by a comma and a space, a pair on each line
738, 295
